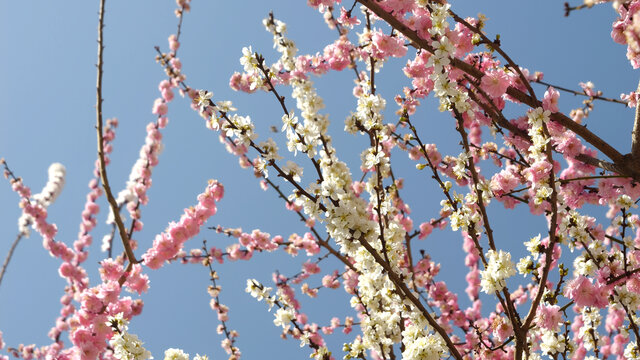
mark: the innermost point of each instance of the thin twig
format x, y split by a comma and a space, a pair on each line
9, 255
212, 276
581, 93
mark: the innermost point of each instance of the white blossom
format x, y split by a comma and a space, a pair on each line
524, 265
248, 60
499, 268
175, 354
551, 343
128, 347
283, 317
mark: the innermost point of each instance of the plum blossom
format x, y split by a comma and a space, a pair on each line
499, 268
550, 101
495, 83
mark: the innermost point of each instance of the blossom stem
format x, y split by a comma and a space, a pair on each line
553, 201
402, 287
280, 98
212, 277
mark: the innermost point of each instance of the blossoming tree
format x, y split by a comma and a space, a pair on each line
544, 295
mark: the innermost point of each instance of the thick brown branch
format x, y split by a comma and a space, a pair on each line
605, 165
515, 93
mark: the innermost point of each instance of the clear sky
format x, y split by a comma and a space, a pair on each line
47, 98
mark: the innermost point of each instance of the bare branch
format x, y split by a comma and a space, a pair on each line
103, 171
9, 255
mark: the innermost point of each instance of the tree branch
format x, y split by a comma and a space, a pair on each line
402, 287
517, 94
598, 97
9, 255
635, 135
103, 171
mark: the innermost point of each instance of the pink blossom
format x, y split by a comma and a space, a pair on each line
425, 229
539, 170
317, 3
162, 122
570, 145
495, 83
348, 325
385, 45
173, 43
136, 281
175, 63
338, 54
331, 281
357, 187
631, 99
91, 302
167, 95
110, 270
167, 245
346, 19
350, 281
619, 342
159, 107
405, 222
550, 101
548, 316
421, 22
588, 88
502, 329
473, 283
584, 293
241, 82
311, 268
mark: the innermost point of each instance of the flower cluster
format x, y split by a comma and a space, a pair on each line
127, 346
367, 225
135, 192
47, 196
499, 268
167, 244
625, 30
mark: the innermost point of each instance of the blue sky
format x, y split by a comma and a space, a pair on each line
47, 115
